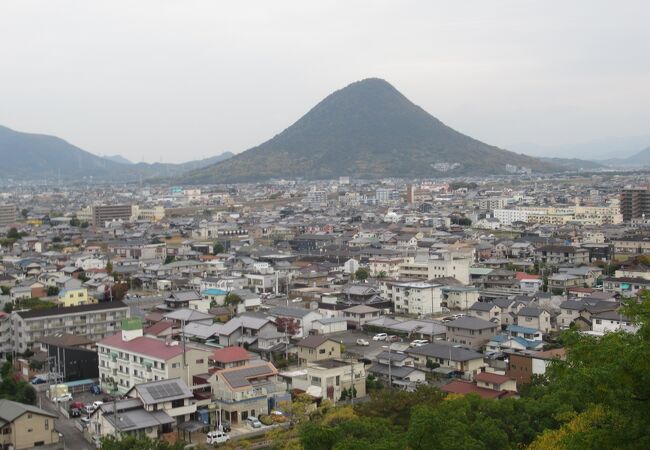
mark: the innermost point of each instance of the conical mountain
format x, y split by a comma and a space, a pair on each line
367, 129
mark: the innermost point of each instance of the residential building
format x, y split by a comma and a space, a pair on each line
7, 215
25, 426
317, 348
562, 254
611, 321
75, 297
447, 357
357, 316
109, 213
328, 378
129, 358
635, 202
471, 331
93, 321
416, 298
524, 364
247, 391
299, 320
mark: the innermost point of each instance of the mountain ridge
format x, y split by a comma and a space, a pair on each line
367, 128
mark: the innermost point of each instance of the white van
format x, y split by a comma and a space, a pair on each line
217, 437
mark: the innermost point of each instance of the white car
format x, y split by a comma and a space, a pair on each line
217, 437
380, 337
363, 342
97, 404
418, 343
63, 398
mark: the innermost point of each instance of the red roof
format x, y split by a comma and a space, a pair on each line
146, 346
465, 387
526, 276
230, 354
488, 377
159, 327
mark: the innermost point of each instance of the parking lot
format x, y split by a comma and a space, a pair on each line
349, 340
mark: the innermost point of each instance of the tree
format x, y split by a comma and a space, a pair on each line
218, 248
288, 325
8, 307
109, 267
52, 291
5, 290
169, 259
381, 274
115, 292
362, 273
232, 299
13, 233
24, 213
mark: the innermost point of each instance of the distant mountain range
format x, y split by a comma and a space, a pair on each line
640, 159
595, 150
41, 157
367, 129
571, 164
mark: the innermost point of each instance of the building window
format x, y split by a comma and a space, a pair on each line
47, 424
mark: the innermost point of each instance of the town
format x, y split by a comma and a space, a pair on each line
201, 314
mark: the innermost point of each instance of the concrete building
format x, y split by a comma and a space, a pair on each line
328, 378
635, 202
93, 321
471, 331
7, 215
128, 358
109, 213
416, 298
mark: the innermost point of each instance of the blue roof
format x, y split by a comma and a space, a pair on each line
528, 345
519, 329
214, 291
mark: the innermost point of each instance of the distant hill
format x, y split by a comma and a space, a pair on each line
118, 159
594, 150
31, 156
641, 158
367, 129
574, 163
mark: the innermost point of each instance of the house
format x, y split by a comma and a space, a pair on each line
24, 426
560, 282
181, 299
533, 317
461, 387
447, 357
523, 365
75, 297
316, 348
357, 316
328, 379
154, 409
407, 377
611, 321
328, 325
246, 391
229, 357
471, 331
485, 311
625, 286
580, 312
562, 254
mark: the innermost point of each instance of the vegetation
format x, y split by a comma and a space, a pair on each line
34, 303
590, 400
52, 291
361, 274
218, 248
12, 388
232, 299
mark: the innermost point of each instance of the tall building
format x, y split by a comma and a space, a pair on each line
635, 202
109, 213
7, 214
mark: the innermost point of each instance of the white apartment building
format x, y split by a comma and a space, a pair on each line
445, 265
508, 216
128, 358
416, 298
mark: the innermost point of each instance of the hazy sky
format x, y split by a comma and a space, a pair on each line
174, 80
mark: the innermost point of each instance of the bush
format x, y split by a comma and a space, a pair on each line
266, 420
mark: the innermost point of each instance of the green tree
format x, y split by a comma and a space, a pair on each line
5, 290
52, 291
170, 259
109, 267
362, 273
232, 299
218, 248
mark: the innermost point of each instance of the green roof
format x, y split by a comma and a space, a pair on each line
134, 323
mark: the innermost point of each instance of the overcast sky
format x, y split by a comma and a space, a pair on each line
173, 80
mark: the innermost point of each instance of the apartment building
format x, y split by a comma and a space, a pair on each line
128, 358
635, 202
7, 214
109, 213
417, 298
440, 266
471, 331
93, 321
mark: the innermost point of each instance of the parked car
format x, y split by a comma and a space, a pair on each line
97, 404
75, 412
85, 421
89, 409
63, 398
254, 422
393, 338
379, 337
363, 342
95, 389
77, 405
418, 343
38, 380
217, 437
